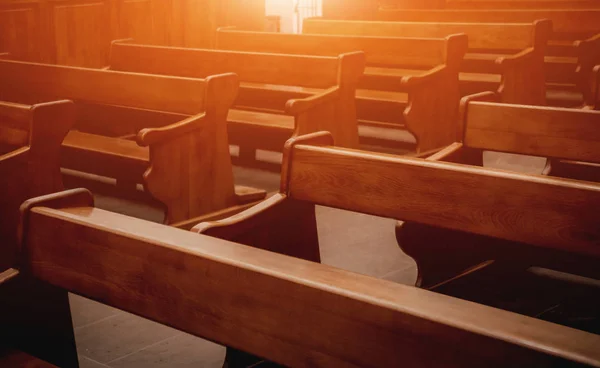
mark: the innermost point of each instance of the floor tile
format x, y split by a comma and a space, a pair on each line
85, 311
120, 335
359, 243
181, 351
85, 362
407, 276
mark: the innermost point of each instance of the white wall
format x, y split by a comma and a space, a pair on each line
285, 9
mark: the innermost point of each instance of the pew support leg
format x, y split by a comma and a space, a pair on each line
36, 318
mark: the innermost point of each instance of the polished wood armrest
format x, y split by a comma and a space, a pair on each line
149, 136
242, 221
302, 105
411, 81
524, 56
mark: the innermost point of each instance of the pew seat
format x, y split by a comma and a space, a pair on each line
123, 158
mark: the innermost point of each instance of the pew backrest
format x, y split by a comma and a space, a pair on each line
522, 4
562, 133
380, 50
514, 36
251, 67
581, 23
366, 321
463, 198
152, 92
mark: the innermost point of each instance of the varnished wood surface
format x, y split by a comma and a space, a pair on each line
425, 68
286, 299
185, 95
337, 115
547, 132
498, 203
513, 50
25, 172
179, 154
520, 4
581, 22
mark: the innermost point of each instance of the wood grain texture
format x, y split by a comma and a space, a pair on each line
231, 294
548, 132
498, 203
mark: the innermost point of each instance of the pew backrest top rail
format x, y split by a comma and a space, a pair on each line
465, 198
388, 51
152, 92
551, 132
374, 322
522, 4
252, 67
563, 20
504, 36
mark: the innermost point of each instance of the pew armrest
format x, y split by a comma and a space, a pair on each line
573, 170
524, 56
299, 106
149, 136
241, 222
411, 81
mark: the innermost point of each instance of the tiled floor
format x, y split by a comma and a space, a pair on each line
107, 337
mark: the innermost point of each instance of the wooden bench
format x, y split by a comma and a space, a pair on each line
399, 70
518, 74
271, 305
264, 118
568, 137
515, 211
172, 152
31, 137
572, 49
522, 4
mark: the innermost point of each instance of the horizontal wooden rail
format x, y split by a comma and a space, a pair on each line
287, 310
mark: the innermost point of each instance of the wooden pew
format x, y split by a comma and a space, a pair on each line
568, 137
506, 209
175, 145
572, 50
519, 73
271, 305
31, 138
522, 4
412, 75
264, 118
